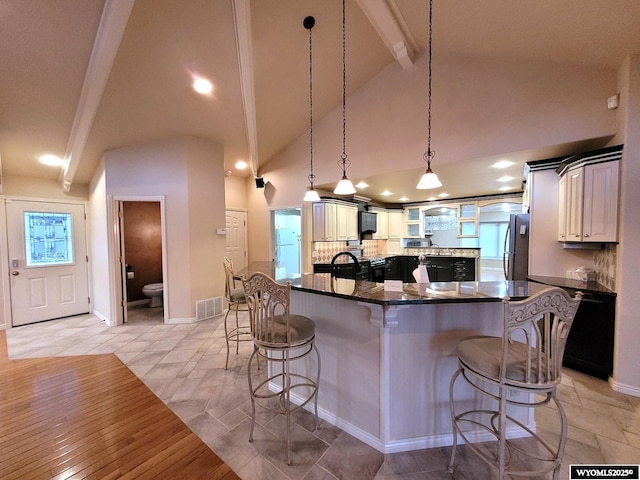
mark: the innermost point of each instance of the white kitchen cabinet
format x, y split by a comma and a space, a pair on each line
468, 219
588, 203
346, 222
395, 224
413, 227
562, 209
324, 222
382, 224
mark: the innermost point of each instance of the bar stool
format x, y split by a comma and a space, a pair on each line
521, 369
281, 338
236, 302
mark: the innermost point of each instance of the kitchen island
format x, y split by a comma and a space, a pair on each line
388, 357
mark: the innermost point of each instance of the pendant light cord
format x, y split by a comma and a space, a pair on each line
344, 160
429, 154
311, 177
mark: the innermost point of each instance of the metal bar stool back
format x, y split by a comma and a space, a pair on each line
236, 302
520, 369
281, 338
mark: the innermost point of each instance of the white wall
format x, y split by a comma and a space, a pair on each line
480, 108
98, 232
14, 185
235, 189
189, 173
626, 375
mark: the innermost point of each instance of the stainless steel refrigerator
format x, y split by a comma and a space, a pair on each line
516, 248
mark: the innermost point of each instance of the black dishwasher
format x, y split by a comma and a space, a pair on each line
589, 347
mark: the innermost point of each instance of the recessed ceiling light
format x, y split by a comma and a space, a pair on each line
403, 199
505, 178
443, 195
386, 193
241, 164
202, 86
505, 188
362, 185
51, 160
502, 164
431, 199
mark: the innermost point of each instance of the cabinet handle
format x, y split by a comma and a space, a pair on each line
586, 235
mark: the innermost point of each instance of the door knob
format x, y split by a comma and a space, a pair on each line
15, 273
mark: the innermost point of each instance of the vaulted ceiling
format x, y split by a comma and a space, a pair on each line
79, 77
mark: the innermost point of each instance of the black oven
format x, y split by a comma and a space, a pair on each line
377, 270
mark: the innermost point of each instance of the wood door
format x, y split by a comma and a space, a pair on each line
47, 260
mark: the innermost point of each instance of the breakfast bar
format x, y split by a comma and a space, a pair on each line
388, 356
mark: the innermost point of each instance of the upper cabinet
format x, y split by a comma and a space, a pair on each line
588, 201
395, 224
346, 222
334, 221
413, 227
324, 222
382, 218
468, 219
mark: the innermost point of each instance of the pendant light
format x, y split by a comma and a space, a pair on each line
311, 195
429, 179
344, 187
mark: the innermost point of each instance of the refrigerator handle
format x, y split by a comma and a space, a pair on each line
505, 253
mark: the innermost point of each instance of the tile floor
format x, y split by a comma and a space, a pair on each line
184, 366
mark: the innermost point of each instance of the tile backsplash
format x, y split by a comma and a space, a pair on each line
605, 260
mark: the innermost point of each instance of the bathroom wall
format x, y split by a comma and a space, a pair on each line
143, 246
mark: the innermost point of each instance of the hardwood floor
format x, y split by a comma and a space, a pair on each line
90, 417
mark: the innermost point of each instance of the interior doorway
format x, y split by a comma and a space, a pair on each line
286, 231
141, 260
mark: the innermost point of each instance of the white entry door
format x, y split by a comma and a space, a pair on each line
47, 260
236, 222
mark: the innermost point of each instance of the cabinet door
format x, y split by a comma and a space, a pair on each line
574, 204
468, 220
382, 228
324, 222
600, 209
562, 209
346, 222
395, 224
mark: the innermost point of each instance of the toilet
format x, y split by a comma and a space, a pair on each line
154, 292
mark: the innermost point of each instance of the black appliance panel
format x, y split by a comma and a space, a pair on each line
349, 270
392, 269
377, 271
589, 347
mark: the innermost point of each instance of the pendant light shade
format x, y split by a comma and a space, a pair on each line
344, 187
429, 179
311, 195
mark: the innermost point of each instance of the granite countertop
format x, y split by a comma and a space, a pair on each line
411, 294
591, 287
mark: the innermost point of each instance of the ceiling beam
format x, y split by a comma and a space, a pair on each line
105, 47
244, 45
386, 18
